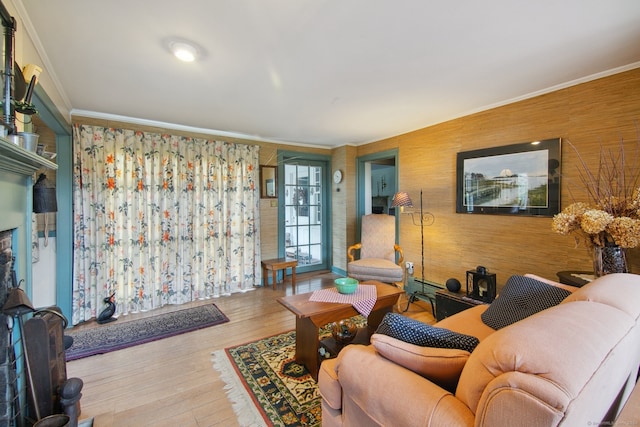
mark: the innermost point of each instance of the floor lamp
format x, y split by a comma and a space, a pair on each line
401, 199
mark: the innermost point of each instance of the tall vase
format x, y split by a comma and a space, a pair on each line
609, 259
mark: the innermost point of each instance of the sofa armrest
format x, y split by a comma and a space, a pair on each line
328, 383
375, 389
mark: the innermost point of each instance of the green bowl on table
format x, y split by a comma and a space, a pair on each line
346, 285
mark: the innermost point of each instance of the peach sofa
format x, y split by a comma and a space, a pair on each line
573, 364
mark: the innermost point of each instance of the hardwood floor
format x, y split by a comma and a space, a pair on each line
172, 382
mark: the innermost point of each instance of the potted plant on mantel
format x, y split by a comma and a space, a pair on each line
610, 222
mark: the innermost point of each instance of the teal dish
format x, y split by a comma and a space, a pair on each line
346, 285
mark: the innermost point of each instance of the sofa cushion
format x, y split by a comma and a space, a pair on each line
468, 322
439, 365
419, 333
520, 298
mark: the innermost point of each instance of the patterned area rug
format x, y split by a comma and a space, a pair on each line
118, 335
265, 384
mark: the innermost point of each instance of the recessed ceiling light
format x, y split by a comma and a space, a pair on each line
184, 51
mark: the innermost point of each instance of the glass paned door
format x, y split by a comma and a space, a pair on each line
304, 229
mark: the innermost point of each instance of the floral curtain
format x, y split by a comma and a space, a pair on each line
161, 219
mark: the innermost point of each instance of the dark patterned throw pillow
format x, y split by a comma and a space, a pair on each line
415, 332
520, 298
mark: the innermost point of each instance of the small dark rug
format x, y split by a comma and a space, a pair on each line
122, 334
266, 386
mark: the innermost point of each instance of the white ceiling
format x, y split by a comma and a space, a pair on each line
323, 72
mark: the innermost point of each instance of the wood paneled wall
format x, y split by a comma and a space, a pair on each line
343, 207
588, 115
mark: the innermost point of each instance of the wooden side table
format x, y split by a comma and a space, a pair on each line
573, 278
277, 264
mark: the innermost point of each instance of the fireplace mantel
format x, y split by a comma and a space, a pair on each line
16, 159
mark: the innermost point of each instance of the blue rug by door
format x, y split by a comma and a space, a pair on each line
118, 335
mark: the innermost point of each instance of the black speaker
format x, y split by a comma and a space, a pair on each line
453, 285
481, 286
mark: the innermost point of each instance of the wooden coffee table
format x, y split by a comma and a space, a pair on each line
311, 316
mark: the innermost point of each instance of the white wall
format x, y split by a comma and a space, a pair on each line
44, 275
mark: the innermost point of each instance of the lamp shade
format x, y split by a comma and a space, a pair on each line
44, 196
401, 198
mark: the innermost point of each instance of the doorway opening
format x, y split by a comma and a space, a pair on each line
377, 183
304, 235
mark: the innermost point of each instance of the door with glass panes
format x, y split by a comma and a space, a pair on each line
304, 210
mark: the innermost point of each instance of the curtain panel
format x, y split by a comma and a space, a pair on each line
161, 219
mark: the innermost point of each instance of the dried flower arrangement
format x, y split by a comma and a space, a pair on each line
612, 216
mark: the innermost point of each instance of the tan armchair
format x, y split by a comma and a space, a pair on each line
378, 250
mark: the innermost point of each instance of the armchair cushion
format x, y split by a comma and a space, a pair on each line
520, 298
439, 365
379, 269
419, 333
